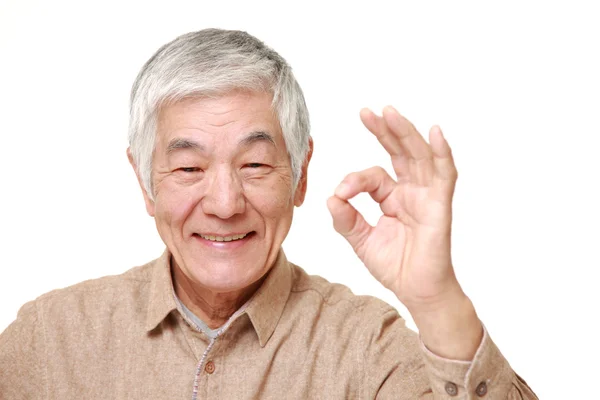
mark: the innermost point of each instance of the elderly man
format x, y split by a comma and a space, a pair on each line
220, 144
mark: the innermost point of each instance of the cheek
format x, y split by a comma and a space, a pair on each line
273, 202
174, 205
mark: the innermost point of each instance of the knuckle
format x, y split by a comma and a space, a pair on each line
454, 173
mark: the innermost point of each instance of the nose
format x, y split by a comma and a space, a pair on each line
224, 196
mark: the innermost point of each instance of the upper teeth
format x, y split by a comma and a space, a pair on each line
223, 238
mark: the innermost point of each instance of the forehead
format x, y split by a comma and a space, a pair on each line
227, 116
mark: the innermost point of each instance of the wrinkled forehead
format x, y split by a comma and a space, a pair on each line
230, 117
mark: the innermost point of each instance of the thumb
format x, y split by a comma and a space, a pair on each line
348, 222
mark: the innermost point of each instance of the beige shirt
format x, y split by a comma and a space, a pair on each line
299, 337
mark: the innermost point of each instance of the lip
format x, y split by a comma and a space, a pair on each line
232, 245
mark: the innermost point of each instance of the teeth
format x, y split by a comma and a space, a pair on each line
223, 238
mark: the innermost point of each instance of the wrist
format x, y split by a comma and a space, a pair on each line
450, 330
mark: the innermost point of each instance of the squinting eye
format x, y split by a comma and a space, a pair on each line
255, 165
190, 169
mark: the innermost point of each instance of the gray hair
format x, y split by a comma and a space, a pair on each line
212, 62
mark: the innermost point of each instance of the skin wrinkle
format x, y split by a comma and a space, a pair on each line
240, 183
215, 308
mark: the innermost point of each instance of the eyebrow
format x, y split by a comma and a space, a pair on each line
258, 136
180, 143
251, 138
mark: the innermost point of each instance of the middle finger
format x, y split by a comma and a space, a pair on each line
413, 143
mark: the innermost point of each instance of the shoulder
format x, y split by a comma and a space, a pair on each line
95, 296
339, 298
135, 276
366, 324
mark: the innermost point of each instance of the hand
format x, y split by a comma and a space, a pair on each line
409, 249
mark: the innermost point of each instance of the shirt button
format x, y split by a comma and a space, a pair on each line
451, 389
210, 367
481, 389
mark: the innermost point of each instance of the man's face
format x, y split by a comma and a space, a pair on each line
223, 188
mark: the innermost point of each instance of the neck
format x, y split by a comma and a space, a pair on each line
213, 308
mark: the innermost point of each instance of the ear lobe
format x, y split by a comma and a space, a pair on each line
302, 183
147, 200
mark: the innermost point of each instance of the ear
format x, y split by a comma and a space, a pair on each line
149, 202
301, 189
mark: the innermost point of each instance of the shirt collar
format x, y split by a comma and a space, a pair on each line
264, 309
267, 304
161, 301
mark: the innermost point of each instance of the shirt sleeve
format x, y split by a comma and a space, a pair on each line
488, 376
22, 370
397, 365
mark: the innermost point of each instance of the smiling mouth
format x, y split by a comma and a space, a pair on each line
232, 238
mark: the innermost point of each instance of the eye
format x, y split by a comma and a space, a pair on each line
189, 169
255, 165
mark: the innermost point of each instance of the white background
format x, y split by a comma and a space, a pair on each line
515, 87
